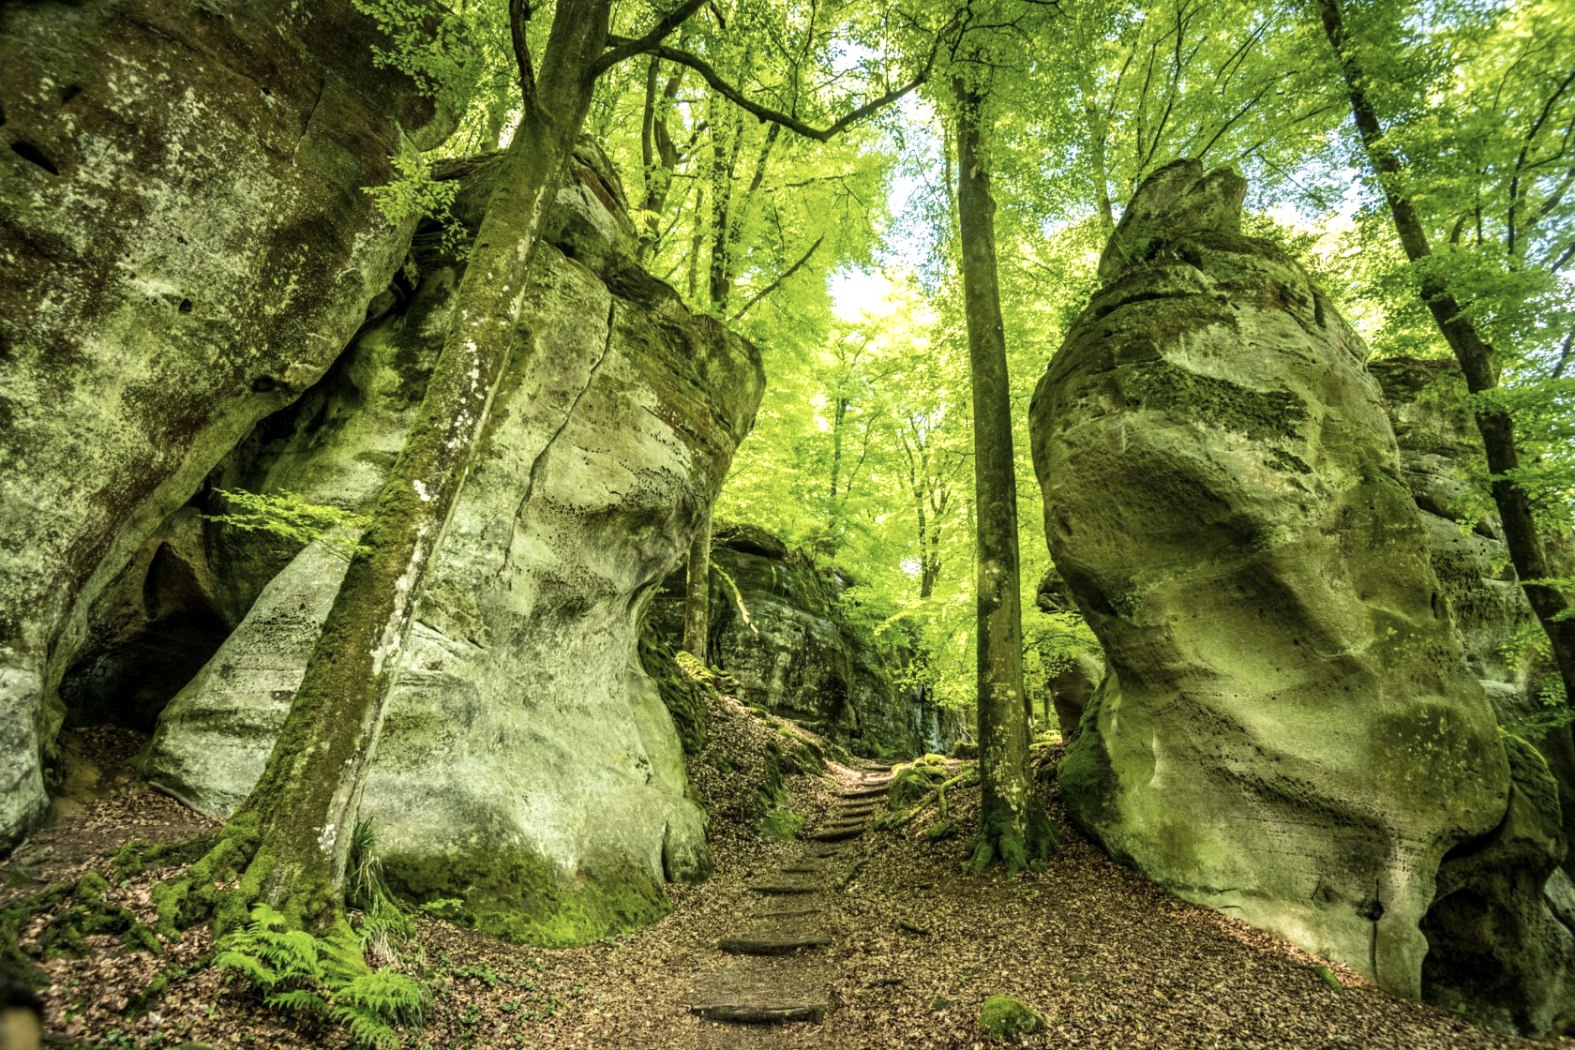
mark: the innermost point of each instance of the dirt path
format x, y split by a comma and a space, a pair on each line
772, 968
900, 949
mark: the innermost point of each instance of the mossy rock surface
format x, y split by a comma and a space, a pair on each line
1003, 1017
1224, 499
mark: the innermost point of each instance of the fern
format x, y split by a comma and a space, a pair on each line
306, 976
290, 517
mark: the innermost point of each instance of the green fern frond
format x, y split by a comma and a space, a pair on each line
299, 1001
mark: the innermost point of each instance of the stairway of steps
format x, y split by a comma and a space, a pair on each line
770, 969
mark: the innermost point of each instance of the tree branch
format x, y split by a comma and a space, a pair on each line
623, 47
774, 285
519, 18
766, 113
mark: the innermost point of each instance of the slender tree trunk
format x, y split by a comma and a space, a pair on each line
303, 810
1477, 362
697, 592
1012, 826
725, 135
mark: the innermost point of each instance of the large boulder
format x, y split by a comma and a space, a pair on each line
1287, 730
186, 245
527, 764
780, 626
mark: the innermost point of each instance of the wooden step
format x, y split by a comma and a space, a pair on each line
774, 938
804, 867
761, 990
787, 911
871, 791
836, 834
787, 886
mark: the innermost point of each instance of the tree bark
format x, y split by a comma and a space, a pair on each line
1012, 826
697, 592
1477, 362
303, 810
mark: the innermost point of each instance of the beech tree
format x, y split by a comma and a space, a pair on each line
1480, 363
1013, 827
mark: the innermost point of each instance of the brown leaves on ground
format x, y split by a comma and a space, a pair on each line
1106, 957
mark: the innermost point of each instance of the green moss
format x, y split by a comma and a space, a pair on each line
941, 831
1086, 777
1327, 976
522, 897
137, 856
1164, 387
684, 697
223, 884
914, 782
1530, 774
1003, 1017
780, 823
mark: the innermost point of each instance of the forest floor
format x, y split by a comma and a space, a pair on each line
917, 945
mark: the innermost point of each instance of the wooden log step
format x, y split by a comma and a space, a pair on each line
837, 834
787, 886
868, 791
787, 911
761, 990
767, 1010
774, 938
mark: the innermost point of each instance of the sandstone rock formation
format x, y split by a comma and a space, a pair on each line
779, 627
186, 247
1440, 450
527, 764
1287, 730
1499, 933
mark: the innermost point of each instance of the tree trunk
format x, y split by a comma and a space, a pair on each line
303, 810
697, 592
1477, 363
1012, 826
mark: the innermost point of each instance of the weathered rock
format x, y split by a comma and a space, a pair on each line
778, 626
1497, 951
1223, 495
1440, 450
526, 764
186, 246
1073, 676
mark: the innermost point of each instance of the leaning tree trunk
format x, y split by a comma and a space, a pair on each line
1477, 362
1012, 826
697, 592
298, 820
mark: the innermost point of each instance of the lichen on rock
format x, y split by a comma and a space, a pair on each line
186, 249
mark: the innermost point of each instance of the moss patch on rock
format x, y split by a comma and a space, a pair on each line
519, 896
1003, 1017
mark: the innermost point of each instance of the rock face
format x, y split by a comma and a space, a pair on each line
1500, 946
1223, 496
527, 764
793, 651
1440, 449
185, 247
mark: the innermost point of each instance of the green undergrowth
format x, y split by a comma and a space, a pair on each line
1003, 1018
780, 823
327, 976
918, 785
